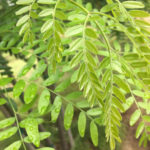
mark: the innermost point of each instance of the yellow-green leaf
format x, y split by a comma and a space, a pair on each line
7, 122
133, 4
8, 133
135, 117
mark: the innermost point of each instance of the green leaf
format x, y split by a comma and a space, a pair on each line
139, 129
7, 122
62, 86
59, 27
22, 20
51, 80
43, 136
2, 101
94, 112
74, 30
139, 64
128, 103
24, 2
24, 122
7, 133
94, 133
60, 15
46, 12
56, 107
133, 4
46, 26
131, 56
46, 1
90, 33
146, 118
117, 103
139, 13
76, 59
91, 47
91, 59
73, 95
82, 124
119, 94
14, 146
108, 7
121, 83
74, 76
5, 81
31, 127
27, 107
44, 101
83, 104
75, 44
30, 93
23, 10
143, 23
18, 88
39, 70
68, 116
24, 28
134, 117
28, 66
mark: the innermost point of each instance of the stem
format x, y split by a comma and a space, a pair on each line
17, 122
78, 5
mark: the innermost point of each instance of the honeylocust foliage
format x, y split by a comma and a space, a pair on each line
66, 42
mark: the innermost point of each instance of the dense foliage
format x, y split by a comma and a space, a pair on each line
65, 43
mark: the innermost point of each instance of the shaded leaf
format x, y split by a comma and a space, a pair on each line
14, 146
8, 133
68, 116
56, 107
82, 124
94, 133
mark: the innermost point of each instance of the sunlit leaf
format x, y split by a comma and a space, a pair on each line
44, 101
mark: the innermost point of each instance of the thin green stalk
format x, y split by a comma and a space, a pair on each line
80, 6
16, 118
